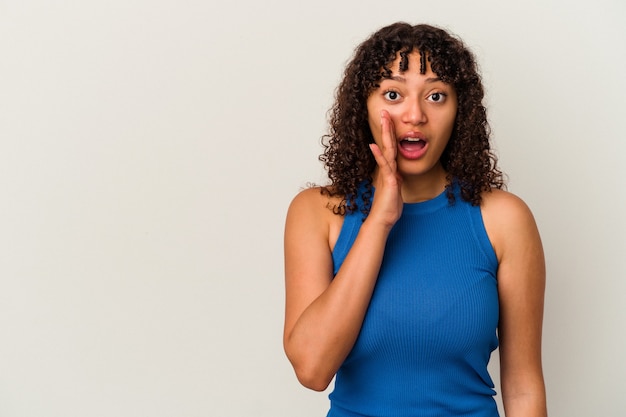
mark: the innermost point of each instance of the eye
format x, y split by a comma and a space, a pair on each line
391, 95
437, 97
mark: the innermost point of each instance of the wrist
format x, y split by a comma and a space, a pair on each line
378, 224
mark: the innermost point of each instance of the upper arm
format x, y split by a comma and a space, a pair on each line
521, 283
308, 258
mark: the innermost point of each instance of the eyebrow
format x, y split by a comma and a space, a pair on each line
403, 80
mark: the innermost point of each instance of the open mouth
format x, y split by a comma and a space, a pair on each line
412, 144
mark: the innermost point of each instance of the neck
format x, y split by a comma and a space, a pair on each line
418, 188
423, 187
418, 192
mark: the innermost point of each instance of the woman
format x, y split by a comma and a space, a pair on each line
413, 265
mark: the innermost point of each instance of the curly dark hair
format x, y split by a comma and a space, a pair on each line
467, 159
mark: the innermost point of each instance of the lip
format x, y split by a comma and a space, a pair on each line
413, 135
412, 154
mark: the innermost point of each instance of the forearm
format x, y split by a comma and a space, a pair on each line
325, 332
528, 404
523, 387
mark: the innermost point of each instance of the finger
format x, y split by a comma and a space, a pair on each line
383, 163
388, 137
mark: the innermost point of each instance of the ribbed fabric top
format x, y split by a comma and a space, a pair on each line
431, 324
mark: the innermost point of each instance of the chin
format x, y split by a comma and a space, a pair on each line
413, 168
419, 168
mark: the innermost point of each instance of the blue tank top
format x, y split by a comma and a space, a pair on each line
430, 328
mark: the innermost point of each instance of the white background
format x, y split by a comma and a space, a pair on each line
149, 151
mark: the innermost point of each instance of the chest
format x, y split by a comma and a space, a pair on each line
436, 293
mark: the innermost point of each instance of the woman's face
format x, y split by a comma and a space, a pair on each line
422, 109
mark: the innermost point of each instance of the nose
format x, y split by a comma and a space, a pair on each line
414, 113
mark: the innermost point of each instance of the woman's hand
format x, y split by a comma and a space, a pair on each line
387, 204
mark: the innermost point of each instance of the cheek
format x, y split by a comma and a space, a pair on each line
447, 122
451, 123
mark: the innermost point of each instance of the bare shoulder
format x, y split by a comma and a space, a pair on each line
311, 211
309, 199
504, 205
508, 220
312, 204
